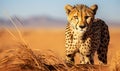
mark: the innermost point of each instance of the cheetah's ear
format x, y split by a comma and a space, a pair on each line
94, 8
68, 8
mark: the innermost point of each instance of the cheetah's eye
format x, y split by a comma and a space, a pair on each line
76, 17
86, 17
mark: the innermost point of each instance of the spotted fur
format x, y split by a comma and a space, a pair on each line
85, 35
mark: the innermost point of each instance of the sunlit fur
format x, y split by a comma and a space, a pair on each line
85, 35
80, 15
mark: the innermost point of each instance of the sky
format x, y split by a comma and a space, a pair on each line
107, 9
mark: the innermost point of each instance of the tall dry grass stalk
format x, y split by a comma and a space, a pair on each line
115, 62
25, 58
17, 29
24, 44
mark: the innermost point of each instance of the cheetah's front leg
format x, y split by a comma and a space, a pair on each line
69, 60
86, 59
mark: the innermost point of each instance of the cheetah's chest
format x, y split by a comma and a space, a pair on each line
82, 45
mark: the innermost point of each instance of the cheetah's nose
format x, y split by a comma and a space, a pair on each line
82, 26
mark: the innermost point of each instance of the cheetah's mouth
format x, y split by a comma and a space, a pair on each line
82, 30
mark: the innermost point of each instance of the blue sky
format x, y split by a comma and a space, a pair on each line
108, 9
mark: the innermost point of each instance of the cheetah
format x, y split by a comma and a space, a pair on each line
85, 35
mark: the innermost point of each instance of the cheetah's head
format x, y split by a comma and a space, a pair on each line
81, 16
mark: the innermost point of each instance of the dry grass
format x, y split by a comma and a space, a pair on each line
22, 59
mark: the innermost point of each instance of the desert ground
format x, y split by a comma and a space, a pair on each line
50, 39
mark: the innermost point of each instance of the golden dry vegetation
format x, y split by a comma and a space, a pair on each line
45, 51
